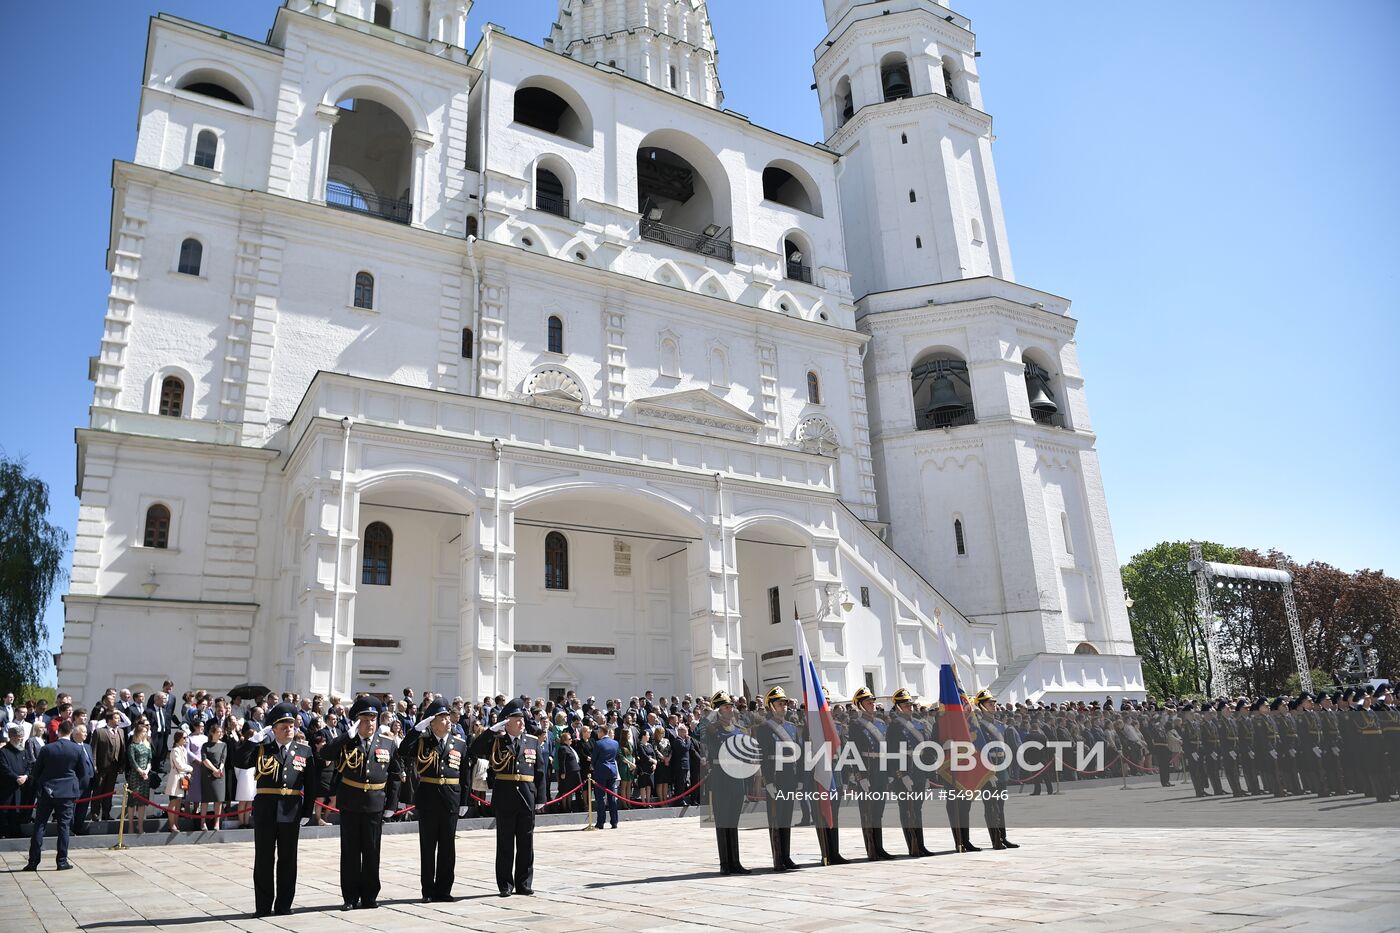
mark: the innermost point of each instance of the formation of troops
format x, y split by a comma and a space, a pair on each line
1327, 744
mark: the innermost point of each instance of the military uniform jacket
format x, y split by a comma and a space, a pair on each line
1192, 741
1331, 732
910, 733
437, 768
771, 734
365, 773
713, 738
1288, 736
513, 766
1210, 740
1310, 736
281, 777
1265, 736
868, 736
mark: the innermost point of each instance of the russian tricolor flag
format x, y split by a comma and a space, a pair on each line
953, 727
821, 731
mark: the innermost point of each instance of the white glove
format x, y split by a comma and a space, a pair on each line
1317, 751
1195, 756
1233, 756
772, 790
908, 783
1273, 754
264, 734
461, 811
388, 813
864, 784
499, 727
1336, 750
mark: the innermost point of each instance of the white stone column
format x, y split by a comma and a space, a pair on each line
486, 639
326, 117
317, 599
422, 147
716, 656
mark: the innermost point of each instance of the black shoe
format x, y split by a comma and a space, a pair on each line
369, 905
738, 869
262, 913
32, 866
527, 892
506, 892
348, 905
1008, 843
838, 859
428, 899
282, 912
790, 865
65, 866
445, 899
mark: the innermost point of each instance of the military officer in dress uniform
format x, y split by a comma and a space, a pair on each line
1211, 748
1327, 718
1266, 751
907, 732
781, 764
1156, 733
365, 778
726, 791
515, 763
1193, 747
990, 732
828, 836
280, 766
433, 754
868, 736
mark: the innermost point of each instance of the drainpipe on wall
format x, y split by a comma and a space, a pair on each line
345, 424
724, 576
496, 446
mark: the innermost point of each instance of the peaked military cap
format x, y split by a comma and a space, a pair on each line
774, 695
861, 695
365, 705
983, 696
513, 708
902, 696
721, 699
282, 712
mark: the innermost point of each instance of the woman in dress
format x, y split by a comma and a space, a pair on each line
195, 748
213, 789
138, 774
663, 762
246, 787
177, 782
646, 767
318, 780
626, 764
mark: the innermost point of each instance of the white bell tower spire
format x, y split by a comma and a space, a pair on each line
666, 43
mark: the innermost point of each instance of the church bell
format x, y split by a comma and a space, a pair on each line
1041, 400
896, 82
945, 396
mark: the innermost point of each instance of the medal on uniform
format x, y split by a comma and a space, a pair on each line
298, 762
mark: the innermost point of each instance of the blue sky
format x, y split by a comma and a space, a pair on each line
1215, 191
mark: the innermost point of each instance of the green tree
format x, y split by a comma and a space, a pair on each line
31, 565
1166, 630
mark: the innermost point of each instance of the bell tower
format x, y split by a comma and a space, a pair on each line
901, 102
668, 44
984, 454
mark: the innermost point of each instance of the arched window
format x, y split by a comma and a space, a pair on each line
913, 198
976, 231
904, 139
670, 364
556, 334
673, 77
542, 109
364, 290
1064, 530
172, 397
212, 84
556, 561
378, 562
191, 256
948, 81
894, 77
1085, 648
845, 100
942, 391
466, 343
472, 225
918, 242
814, 389
958, 538
799, 264
206, 148
549, 193
157, 532
383, 15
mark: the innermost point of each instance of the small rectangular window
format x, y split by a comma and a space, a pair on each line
865, 596
775, 606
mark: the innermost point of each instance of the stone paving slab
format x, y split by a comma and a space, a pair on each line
660, 875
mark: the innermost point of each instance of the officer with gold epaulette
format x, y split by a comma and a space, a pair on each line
365, 778
280, 766
781, 765
718, 729
433, 755
515, 764
868, 736
909, 733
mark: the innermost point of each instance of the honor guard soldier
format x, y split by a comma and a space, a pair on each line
1156, 734
434, 754
1193, 747
1249, 764
515, 762
908, 733
1388, 761
280, 765
1266, 752
828, 831
1230, 756
1210, 755
991, 732
365, 779
868, 736
1327, 719
781, 764
726, 791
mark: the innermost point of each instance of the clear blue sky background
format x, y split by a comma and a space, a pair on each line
1215, 186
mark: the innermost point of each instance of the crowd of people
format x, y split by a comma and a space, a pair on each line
180, 748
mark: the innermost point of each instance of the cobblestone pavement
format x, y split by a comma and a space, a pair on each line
661, 875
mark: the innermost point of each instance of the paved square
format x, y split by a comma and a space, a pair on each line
661, 875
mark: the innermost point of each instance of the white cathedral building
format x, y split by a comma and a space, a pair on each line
531, 368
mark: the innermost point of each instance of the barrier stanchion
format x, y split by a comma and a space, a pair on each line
589, 827
121, 827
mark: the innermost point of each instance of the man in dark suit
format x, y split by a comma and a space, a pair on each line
80, 811
515, 763
604, 762
58, 774
158, 715
280, 766
13, 776
109, 752
7, 711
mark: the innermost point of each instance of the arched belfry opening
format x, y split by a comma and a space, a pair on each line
942, 391
894, 77
683, 204
371, 161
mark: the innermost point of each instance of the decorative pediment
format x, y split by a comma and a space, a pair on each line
562, 674
816, 434
700, 409
555, 388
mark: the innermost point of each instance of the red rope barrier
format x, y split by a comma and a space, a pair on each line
652, 803
192, 814
408, 809
31, 806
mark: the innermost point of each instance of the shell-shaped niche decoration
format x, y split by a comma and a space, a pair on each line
817, 435
555, 385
